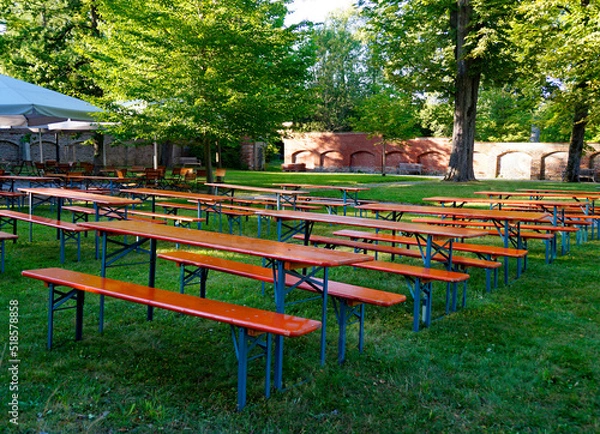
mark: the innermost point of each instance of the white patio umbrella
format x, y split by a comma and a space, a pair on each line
71, 126
24, 104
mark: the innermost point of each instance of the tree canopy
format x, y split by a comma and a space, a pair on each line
200, 69
446, 47
558, 41
39, 44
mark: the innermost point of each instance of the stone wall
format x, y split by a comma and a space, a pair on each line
350, 152
356, 152
72, 148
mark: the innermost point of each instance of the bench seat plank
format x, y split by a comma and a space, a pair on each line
248, 320
237, 315
350, 297
494, 251
67, 230
412, 253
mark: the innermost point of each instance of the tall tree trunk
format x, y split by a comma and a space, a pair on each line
98, 144
207, 159
460, 167
576, 142
580, 120
166, 154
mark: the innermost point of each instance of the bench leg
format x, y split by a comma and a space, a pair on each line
244, 345
242, 352
345, 314
79, 315
55, 300
189, 276
2, 256
422, 301
62, 246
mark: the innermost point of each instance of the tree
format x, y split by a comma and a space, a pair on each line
390, 116
40, 41
505, 115
341, 75
200, 71
561, 39
445, 46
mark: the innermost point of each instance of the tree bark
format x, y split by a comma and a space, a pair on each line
576, 142
460, 167
98, 144
580, 120
207, 159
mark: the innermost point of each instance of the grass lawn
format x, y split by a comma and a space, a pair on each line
523, 358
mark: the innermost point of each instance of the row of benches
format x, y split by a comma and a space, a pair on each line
255, 326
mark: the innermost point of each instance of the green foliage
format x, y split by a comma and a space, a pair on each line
558, 45
504, 115
342, 74
416, 42
40, 44
388, 115
199, 69
436, 116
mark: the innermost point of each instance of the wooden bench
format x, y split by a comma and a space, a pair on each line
351, 298
12, 198
421, 280
3, 237
67, 231
587, 175
480, 250
178, 219
254, 326
410, 168
82, 213
546, 233
459, 263
293, 167
584, 221
234, 213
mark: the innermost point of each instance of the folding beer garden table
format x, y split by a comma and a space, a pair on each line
285, 259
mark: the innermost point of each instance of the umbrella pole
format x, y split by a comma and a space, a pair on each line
57, 148
41, 147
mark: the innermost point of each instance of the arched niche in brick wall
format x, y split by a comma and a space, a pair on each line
48, 150
594, 161
363, 161
481, 166
9, 151
434, 162
393, 158
553, 165
514, 165
332, 160
305, 157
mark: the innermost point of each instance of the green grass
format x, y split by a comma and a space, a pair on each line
523, 358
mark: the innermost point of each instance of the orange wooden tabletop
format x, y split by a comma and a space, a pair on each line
296, 256
480, 200
26, 178
174, 194
322, 187
545, 194
101, 199
257, 189
487, 214
410, 228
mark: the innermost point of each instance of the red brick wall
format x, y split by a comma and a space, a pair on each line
356, 152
